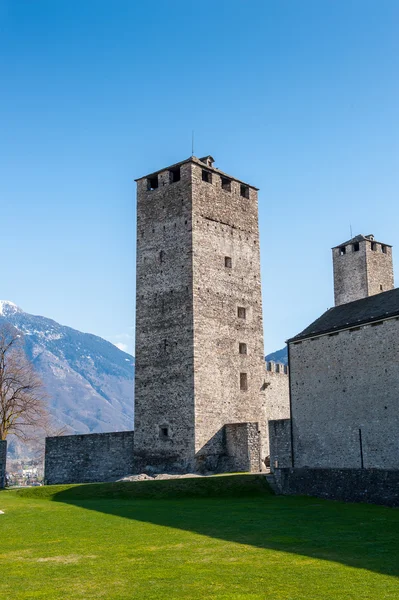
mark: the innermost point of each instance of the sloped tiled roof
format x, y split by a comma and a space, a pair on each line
359, 312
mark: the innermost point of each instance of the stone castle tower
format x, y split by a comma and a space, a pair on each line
200, 370
362, 267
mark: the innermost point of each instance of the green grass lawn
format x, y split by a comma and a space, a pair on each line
220, 537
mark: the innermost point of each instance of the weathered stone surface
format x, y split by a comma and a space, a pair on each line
243, 447
3, 461
277, 399
280, 444
197, 264
345, 398
350, 485
88, 458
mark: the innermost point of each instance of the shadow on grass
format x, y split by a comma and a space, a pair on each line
242, 509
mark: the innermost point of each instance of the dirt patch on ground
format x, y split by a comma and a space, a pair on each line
146, 477
69, 559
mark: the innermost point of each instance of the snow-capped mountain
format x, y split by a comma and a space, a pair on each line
89, 381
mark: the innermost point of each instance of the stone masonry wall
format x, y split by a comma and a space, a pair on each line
349, 485
3, 461
164, 375
280, 444
345, 398
243, 447
379, 269
277, 396
88, 458
226, 277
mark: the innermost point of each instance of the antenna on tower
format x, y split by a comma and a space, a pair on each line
192, 142
350, 228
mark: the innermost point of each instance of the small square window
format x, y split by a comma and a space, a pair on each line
241, 312
356, 247
244, 191
243, 382
206, 176
174, 175
152, 183
228, 262
242, 348
226, 184
164, 433
373, 246
342, 251
383, 249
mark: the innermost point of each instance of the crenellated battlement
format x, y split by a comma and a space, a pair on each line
276, 367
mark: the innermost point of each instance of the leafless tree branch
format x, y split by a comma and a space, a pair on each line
23, 402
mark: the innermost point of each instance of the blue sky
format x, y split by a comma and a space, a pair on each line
297, 97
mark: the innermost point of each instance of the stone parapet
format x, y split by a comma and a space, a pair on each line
375, 486
90, 458
280, 444
276, 367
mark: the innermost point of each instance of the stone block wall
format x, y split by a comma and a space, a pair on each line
3, 460
345, 398
229, 368
280, 444
164, 370
277, 395
243, 447
349, 485
88, 458
379, 268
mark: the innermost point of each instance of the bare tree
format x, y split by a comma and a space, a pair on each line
23, 407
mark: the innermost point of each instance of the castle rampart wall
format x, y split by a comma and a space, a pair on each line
348, 485
277, 399
88, 458
280, 444
345, 398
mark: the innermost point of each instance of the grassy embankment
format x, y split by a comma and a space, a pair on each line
220, 537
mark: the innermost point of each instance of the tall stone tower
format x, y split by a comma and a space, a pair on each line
362, 267
199, 335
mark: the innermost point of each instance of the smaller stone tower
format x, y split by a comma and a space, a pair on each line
362, 267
